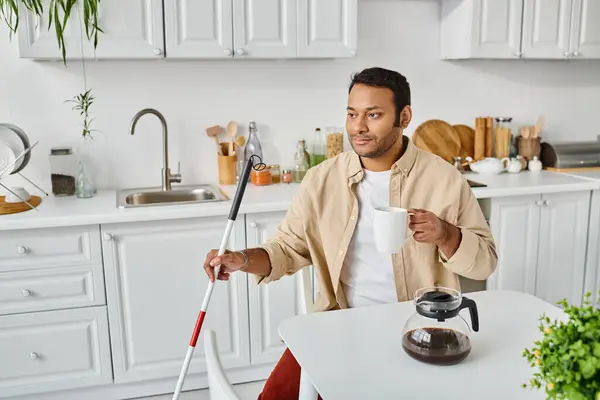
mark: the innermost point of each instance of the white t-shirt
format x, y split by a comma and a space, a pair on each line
367, 276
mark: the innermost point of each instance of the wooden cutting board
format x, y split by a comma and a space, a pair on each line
438, 137
13, 208
466, 135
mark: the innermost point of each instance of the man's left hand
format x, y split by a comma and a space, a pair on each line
428, 228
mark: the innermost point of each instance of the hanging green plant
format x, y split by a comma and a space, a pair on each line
59, 12
83, 102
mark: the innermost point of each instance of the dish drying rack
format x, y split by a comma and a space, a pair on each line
11, 167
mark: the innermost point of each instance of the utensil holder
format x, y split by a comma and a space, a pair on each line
529, 148
227, 166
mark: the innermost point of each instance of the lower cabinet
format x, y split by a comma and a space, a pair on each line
541, 242
592, 271
270, 304
54, 350
155, 286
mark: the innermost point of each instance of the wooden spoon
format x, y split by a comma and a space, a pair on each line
240, 141
539, 126
232, 129
214, 132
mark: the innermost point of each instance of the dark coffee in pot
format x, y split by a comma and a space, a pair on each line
436, 345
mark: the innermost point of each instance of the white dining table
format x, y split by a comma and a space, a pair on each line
357, 353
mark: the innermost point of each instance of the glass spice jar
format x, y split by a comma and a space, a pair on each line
286, 176
64, 169
275, 173
262, 178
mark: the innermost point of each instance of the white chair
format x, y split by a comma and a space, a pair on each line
307, 390
219, 386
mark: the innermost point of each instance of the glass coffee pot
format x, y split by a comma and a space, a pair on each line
436, 333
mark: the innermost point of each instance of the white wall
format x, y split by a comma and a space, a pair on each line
287, 98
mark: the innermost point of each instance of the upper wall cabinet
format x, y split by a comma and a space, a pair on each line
260, 28
133, 29
533, 29
207, 29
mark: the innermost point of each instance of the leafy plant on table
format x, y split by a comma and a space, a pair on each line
59, 12
567, 358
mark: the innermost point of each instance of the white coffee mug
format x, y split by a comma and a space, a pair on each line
390, 229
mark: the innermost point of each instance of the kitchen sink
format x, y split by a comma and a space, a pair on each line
179, 195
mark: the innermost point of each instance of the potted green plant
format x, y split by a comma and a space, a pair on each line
59, 12
567, 357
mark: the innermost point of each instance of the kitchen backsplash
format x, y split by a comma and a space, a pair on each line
287, 99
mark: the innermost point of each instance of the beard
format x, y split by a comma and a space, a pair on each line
382, 146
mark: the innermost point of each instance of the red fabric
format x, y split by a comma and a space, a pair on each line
284, 381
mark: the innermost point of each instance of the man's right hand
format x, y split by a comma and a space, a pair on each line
230, 262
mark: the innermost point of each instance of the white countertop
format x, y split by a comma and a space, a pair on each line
527, 183
102, 209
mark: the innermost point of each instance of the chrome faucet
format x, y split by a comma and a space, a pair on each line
167, 177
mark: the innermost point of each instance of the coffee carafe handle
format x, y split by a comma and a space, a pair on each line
470, 304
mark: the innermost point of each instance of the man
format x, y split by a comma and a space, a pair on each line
329, 223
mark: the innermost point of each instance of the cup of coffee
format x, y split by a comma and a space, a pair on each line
390, 229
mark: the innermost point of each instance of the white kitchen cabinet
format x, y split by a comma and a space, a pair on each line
155, 287
585, 29
562, 249
546, 28
199, 29
208, 29
533, 29
592, 269
272, 303
327, 28
132, 30
54, 350
541, 243
515, 223
481, 28
265, 28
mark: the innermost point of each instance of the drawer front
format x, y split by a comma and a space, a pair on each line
51, 289
52, 247
54, 350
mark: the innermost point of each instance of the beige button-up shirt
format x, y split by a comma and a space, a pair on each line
320, 222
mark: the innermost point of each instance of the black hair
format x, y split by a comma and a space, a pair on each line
385, 78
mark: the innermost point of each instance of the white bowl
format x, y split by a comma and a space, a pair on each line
23, 195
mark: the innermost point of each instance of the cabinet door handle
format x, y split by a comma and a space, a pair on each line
539, 203
108, 237
546, 203
240, 52
26, 292
34, 356
158, 52
566, 54
253, 224
22, 250
575, 54
227, 52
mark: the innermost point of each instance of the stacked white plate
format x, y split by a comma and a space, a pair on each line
13, 143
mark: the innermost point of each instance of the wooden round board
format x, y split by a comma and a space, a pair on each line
438, 137
466, 135
12, 208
